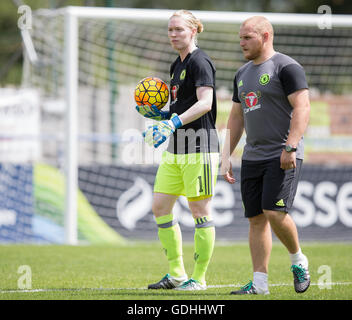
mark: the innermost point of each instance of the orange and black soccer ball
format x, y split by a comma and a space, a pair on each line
151, 91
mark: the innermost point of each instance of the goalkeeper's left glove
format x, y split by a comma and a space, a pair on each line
157, 134
152, 112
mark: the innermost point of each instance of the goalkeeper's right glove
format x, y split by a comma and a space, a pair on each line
157, 134
153, 112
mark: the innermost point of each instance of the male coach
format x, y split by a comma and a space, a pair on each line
271, 103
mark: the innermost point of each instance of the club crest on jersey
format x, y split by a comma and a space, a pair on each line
251, 100
183, 74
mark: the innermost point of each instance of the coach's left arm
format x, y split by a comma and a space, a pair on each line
300, 103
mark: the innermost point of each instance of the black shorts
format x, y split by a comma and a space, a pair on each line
265, 186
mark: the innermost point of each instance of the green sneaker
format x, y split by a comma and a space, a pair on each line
190, 285
249, 288
301, 278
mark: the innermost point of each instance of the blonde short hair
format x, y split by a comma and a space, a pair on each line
191, 20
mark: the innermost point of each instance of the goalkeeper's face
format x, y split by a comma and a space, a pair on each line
180, 34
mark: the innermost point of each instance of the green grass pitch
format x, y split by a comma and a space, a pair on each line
123, 272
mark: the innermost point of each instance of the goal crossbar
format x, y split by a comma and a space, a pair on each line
341, 20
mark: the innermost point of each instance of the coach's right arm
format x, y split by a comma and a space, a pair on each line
234, 131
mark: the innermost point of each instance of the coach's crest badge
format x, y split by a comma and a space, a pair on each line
264, 79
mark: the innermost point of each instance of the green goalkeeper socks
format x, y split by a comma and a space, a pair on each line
171, 239
204, 239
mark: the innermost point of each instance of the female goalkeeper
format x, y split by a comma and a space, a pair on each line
190, 163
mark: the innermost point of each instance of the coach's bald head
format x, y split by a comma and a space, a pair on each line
260, 25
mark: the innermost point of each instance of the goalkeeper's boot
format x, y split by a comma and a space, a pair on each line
301, 278
191, 285
250, 288
168, 282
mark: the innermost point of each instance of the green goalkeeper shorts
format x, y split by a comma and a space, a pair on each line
192, 175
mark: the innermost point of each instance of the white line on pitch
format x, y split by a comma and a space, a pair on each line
111, 289
281, 284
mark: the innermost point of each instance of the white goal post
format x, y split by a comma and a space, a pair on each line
71, 17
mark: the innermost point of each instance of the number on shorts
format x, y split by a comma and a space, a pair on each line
200, 184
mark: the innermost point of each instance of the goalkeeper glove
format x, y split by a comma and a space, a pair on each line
157, 134
152, 112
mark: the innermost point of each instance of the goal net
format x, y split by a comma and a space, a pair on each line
114, 53
90, 60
